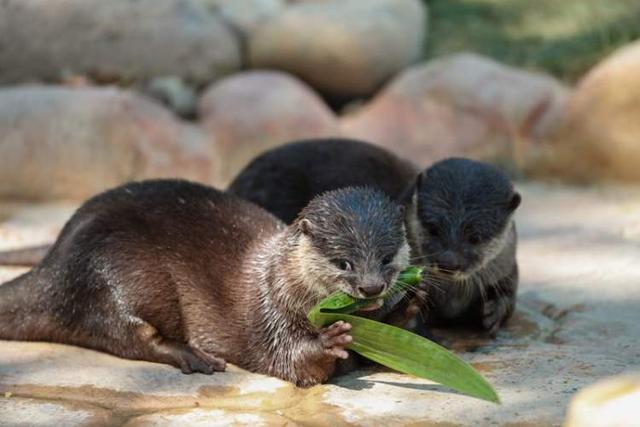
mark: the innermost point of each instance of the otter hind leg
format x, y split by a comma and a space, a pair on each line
154, 347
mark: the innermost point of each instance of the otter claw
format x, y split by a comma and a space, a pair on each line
199, 361
334, 338
494, 313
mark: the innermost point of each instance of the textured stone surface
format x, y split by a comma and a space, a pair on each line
174, 93
462, 104
18, 412
246, 16
48, 371
602, 124
114, 40
342, 47
251, 112
208, 417
73, 142
576, 323
611, 402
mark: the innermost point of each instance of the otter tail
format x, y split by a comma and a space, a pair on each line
22, 312
28, 256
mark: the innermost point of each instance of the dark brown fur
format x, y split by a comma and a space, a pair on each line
179, 273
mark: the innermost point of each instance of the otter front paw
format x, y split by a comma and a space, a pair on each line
334, 339
495, 312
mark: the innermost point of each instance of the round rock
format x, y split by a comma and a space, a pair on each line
72, 143
602, 126
463, 104
251, 112
247, 15
609, 402
342, 47
114, 40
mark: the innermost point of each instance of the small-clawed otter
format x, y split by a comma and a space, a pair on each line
175, 272
458, 216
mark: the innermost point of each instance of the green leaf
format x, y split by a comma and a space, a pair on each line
340, 302
400, 349
409, 353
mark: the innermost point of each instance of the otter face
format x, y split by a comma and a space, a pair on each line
358, 240
462, 211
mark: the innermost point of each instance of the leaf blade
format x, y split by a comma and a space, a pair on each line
412, 354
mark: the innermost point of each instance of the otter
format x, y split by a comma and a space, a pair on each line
176, 272
283, 180
460, 222
459, 218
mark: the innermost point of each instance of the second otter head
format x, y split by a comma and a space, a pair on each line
460, 214
352, 240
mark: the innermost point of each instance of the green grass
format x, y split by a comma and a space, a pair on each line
562, 37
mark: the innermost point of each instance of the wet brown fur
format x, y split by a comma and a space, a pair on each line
174, 272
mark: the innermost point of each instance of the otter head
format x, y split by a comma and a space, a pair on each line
353, 240
459, 216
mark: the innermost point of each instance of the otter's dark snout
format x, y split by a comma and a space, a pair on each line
450, 261
371, 284
371, 289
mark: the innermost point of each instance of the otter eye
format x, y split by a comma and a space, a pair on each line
343, 264
387, 260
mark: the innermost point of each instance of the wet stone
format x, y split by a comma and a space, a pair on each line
575, 325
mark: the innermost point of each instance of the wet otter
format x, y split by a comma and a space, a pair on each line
284, 179
175, 272
458, 216
460, 222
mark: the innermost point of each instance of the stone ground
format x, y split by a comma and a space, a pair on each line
577, 321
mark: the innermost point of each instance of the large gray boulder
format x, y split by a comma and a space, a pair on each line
114, 40
58, 142
461, 105
251, 112
600, 134
342, 47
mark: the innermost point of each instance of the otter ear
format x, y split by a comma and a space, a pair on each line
305, 226
514, 202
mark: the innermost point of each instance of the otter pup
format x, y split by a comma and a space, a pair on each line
460, 223
175, 272
458, 216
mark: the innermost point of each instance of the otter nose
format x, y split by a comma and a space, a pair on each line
449, 261
371, 289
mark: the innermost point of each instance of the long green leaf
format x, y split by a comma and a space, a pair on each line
400, 349
412, 354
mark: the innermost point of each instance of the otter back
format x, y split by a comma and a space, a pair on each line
283, 180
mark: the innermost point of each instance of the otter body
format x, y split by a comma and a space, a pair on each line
175, 272
460, 223
283, 180
472, 283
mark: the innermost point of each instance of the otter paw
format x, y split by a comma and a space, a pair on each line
334, 338
194, 360
494, 313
